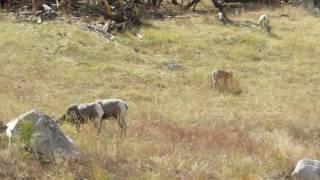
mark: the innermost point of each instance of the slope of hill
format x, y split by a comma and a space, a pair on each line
178, 127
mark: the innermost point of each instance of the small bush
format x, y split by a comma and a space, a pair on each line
25, 131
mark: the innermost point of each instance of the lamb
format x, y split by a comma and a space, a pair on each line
114, 108
264, 22
306, 169
221, 76
79, 114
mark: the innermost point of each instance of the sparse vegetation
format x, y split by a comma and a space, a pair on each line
25, 133
178, 127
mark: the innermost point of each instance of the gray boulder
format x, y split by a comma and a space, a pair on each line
37, 131
173, 66
306, 169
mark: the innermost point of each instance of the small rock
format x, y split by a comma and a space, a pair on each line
61, 34
174, 66
39, 20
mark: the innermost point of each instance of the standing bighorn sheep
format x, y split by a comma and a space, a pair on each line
264, 22
221, 79
97, 111
114, 108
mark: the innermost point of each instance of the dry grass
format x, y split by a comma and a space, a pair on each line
178, 127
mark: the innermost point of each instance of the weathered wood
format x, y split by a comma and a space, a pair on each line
102, 30
107, 9
36, 5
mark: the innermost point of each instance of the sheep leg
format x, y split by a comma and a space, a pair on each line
124, 129
225, 84
195, 6
78, 125
9, 146
121, 123
212, 81
215, 84
96, 123
100, 124
78, 122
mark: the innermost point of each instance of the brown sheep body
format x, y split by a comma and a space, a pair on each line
221, 79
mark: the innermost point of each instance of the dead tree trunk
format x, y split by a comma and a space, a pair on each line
120, 3
23, 3
88, 6
67, 6
36, 5
107, 9
193, 3
4, 4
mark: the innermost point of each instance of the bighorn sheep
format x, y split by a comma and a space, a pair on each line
114, 108
220, 76
78, 114
306, 169
264, 22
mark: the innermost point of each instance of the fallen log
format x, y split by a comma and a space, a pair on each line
102, 30
46, 13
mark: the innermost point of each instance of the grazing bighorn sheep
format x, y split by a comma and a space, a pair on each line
264, 22
79, 114
114, 108
220, 79
306, 169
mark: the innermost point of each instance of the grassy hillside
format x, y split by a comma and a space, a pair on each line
178, 127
